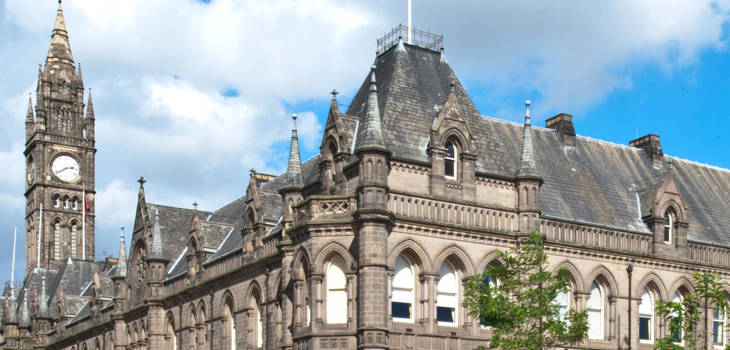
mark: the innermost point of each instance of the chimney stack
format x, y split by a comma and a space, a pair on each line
563, 124
651, 145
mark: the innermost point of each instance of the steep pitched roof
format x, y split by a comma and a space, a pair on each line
174, 227
593, 182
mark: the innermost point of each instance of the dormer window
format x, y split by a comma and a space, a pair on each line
669, 218
450, 160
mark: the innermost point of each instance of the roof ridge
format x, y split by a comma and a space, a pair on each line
705, 165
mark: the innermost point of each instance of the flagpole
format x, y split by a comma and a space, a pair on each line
409, 23
40, 229
83, 225
12, 265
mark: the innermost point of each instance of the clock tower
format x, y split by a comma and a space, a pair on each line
59, 155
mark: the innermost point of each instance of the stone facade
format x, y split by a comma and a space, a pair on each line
365, 245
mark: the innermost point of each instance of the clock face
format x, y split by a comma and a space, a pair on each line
66, 168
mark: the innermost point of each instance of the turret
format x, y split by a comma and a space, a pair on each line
373, 225
527, 180
156, 261
292, 191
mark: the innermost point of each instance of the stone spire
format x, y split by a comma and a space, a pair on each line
156, 250
370, 135
295, 163
24, 311
43, 302
90, 108
12, 316
122, 264
59, 51
29, 119
527, 167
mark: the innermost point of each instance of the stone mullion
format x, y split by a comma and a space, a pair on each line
351, 294
316, 297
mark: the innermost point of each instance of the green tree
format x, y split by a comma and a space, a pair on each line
683, 318
520, 307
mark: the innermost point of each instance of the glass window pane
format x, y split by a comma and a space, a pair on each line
401, 310
644, 326
717, 332
445, 314
595, 324
449, 167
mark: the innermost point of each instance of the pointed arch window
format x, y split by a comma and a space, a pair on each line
170, 335
562, 300
258, 320
230, 326
492, 283
595, 308
718, 328
447, 298
57, 239
677, 334
74, 240
646, 317
450, 159
336, 292
403, 286
669, 218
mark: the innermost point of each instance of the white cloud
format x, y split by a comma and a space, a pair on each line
158, 68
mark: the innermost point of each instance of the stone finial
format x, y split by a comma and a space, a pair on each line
195, 205
334, 94
370, 134
527, 112
122, 264
442, 59
401, 47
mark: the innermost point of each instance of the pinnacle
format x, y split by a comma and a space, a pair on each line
60, 48
371, 133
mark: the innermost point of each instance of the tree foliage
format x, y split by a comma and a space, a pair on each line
520, 307
683, 318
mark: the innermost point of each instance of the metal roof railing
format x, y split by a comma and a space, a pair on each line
420, 38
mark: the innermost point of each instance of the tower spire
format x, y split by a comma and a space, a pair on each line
59, 51
370, 135
43, 302
24, 311
294, 169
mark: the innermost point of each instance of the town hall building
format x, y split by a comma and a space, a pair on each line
367, 244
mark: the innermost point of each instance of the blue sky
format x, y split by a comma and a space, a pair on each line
193, 94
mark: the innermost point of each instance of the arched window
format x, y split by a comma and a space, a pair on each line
65, 202
257, 324
74, 229
403, 285
595, 307
230, 326
676, 334
669, 218
75, 203
170, 337
492, 282
718, 328
56, 200
562, 300
646, 317
336, 292
57, 239
450, 159
447, 298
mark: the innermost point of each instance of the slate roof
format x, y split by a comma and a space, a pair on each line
594, 182
174, 227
